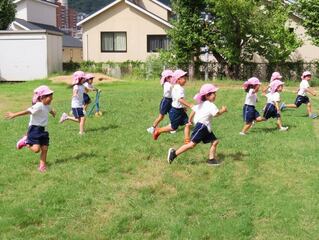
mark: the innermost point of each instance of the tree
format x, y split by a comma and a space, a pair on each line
244, 27
187, 35
308, 9
7, 13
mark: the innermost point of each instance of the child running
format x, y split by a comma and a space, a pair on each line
202, 114
166, 103
250, 114
77, 101
88, 84
302, 97
177, 114
37, 139
272, 109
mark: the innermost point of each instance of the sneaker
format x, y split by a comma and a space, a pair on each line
313, 115
150, 130
64, 117
156, 134
213, 162
283, 129
173, 132
22, 142
81, 133
282, 106
42, 168
242, 133
171, 155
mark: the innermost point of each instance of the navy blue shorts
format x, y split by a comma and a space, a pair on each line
77, 112
165, 106
250, 113
201, 134
301, 99
37, 135
86, 99
178, 117
271, 111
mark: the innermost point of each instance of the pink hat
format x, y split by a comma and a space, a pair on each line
39, 92
251, 81
205, 89
165, 74
275, 75
77, 76
178, 74
89, 76
306, 73
274, 85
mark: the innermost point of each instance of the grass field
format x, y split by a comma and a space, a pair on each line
115, 183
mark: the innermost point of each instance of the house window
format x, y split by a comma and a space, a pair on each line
157, 42
113, 42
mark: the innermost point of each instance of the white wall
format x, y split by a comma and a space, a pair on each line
21, 10
25, 55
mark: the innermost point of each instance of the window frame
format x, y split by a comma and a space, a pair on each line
148, 36
113, 51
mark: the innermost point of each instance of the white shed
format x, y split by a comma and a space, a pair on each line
29, 55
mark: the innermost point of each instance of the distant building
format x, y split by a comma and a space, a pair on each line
66, 17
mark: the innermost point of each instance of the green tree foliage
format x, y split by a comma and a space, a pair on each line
187, 35
244, 27
309, 10
7, 13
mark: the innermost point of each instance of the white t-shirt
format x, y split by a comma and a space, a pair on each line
304, 85
273, 97
177, 93
39, 114
204, 112
167, 88
77, 101
251, 98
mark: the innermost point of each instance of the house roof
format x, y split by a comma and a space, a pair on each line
42, 1
164, 3
68, 41
130, 3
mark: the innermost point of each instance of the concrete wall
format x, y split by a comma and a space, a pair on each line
74, 54
29, 55
120, 18
154, 8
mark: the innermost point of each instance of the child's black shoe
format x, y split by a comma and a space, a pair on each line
213, 162
171, 155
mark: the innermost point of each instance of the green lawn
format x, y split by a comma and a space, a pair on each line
115, 183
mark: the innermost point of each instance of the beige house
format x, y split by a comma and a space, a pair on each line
126, 30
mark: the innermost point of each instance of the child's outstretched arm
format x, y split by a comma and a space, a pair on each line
11, 115
53, 112
277, 107
185, 103
311, 91
191, 116
221, 111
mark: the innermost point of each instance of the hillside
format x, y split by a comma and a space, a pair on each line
88, 6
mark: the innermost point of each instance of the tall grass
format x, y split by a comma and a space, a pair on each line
114, 182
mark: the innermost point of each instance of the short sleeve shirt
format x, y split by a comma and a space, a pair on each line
167, 88
204, 112
77, 101
251, 98
39, 114
177, 93
273, 97
304, 85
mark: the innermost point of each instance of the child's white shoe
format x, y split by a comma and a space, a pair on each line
283, 129
172, 132
64, 117
242, 133
150, 130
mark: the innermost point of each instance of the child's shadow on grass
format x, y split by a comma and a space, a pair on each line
103, 129
238, 156
75, 157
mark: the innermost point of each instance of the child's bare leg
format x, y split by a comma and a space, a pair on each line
85, 107
158, 131
309, 109
187, 131
34, 148
291, 106
158, 120
279, 123
43, 156
246, 127
73, 119
260, 119
185, 147
82, 122
212, 150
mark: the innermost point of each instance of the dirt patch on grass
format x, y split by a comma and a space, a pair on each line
99, 78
